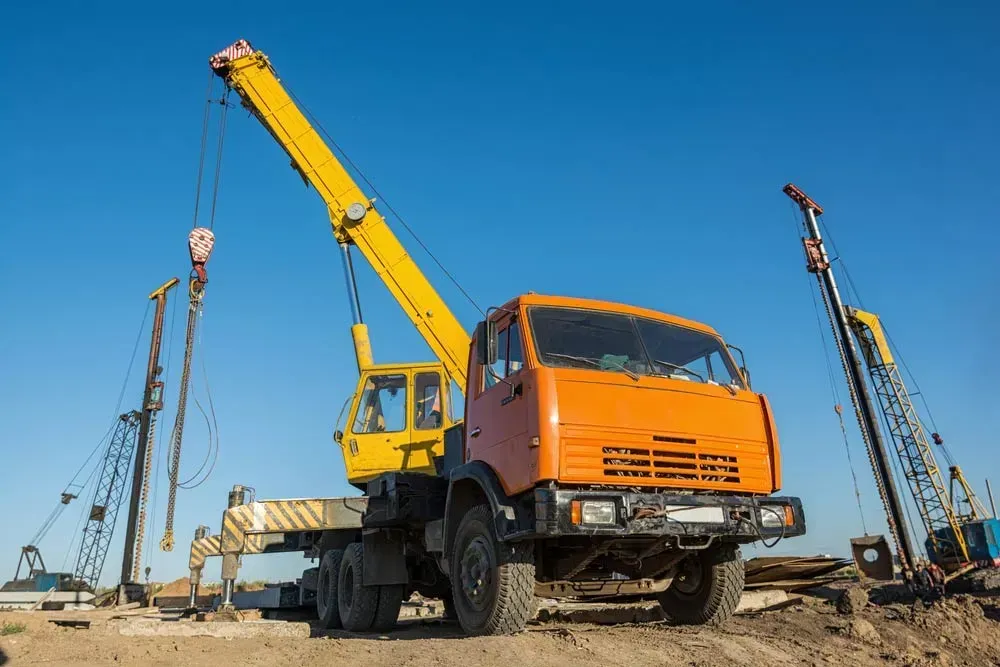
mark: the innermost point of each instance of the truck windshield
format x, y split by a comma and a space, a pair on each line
578, 338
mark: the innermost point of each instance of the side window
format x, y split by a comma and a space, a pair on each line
383, 405
719, 370
454, 393
515, 358
510, 358
497, 370
427, 403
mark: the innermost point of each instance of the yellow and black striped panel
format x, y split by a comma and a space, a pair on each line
288, 516
208, 547
202, 549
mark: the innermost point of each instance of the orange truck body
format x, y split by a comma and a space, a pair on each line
583, 427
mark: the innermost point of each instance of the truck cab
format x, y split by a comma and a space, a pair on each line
588, 393
605, 448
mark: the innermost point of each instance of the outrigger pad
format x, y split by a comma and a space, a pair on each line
873, 557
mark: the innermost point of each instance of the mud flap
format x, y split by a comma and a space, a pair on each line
384, 557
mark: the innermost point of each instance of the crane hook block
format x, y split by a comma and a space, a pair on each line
201, 240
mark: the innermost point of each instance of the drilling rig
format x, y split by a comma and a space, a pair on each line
956, 540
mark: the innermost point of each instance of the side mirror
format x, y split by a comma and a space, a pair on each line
746, 374
486, 343
338, 436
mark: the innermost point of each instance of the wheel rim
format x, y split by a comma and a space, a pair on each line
477, 573
689, 580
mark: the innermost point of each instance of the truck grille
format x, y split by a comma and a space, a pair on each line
659, 460
670, 464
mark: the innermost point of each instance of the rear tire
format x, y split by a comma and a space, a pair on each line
493, 582
390, 600
357, 603
326, 590
707, 587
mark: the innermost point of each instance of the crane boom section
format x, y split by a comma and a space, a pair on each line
919, 464
249, 73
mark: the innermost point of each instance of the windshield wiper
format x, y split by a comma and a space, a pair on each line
680, 368
593, 362
731, 389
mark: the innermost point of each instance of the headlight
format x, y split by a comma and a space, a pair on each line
594, 512
775, 516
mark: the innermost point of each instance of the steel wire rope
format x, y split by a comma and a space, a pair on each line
831, 377
895, 461
224, 101
204, 146
384, 201
213, 426
104, 442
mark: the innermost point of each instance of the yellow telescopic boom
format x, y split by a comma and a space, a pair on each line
355, 220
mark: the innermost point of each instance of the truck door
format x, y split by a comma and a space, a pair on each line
497, 420
378, 425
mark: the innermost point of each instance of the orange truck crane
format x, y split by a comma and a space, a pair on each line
601, 445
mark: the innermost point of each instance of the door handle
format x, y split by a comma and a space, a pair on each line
474, 433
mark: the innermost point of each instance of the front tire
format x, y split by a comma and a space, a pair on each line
493, 582
707, 587
326, 590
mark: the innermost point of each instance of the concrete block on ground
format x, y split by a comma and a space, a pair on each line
151, 627
757, 600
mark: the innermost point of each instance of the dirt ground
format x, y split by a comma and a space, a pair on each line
962, 630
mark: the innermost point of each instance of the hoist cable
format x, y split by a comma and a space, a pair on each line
84, 513
834, 392
102, 444
218, 155
851, 287
47, 524
907, 500
177, 435
865, 436
896, 461
212, 426
147, 467
121, 396
919, 392
204, 146
152, 516
384, 201
856, 404
839, 410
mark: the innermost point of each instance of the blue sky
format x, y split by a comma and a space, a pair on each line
635, 154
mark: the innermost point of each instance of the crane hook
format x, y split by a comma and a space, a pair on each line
201, 240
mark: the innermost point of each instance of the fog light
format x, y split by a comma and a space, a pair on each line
598, 511
772, 517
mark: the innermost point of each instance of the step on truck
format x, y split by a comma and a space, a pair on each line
600, 447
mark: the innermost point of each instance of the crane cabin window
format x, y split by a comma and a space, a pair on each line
382, 408
510, 357
427, 406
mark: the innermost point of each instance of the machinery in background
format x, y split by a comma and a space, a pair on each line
955, 540
131, 443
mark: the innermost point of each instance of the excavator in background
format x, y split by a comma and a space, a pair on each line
956, 540
601, 446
